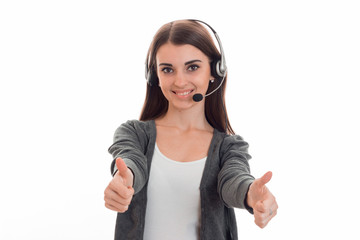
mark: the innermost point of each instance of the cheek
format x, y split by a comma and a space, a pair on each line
203, 79
162, 83
206, 73
164, 86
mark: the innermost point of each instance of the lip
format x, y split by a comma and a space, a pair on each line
183, 93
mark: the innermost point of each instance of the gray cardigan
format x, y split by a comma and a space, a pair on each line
224, 184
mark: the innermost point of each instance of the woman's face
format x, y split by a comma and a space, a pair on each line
183, 71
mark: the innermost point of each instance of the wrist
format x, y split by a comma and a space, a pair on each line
115, 171
131, 173
248, 203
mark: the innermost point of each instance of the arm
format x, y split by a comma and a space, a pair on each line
234, 177
130, 144
238, 188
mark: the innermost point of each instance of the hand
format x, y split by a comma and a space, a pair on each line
262, 201
119, 192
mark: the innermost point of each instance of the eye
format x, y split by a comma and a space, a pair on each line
167, 70
193, 68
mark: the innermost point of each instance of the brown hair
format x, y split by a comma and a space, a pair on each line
180, 33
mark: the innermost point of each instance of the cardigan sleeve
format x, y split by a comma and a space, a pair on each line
234, 178
130, 142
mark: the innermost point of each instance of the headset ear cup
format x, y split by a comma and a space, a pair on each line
215, 69
148, 78
147, 73
152, 78
150, 74
218, 69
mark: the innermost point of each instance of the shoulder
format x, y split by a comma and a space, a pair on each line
227, 140
137, 123
135, 128
233, 145
234, 140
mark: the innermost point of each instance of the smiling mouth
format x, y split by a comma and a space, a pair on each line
183, 93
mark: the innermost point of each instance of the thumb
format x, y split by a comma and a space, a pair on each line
121, 166
266, 178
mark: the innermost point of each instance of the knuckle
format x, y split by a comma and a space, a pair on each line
108, 206
125, 195
123, 209
112, 185
106, 192
260, 222
128, 194
128, 201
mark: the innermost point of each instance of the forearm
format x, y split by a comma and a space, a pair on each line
128, 146
234, 192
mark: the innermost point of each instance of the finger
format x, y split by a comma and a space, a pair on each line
266, 178
120, 189
113, 197
270, 214
270, 202
263, 218
117, 205
116, 208
121, 166
274, 208
266, 207
264, 211
260, 207
260, 219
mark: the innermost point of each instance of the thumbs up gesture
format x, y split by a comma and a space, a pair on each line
262, 201
119, 192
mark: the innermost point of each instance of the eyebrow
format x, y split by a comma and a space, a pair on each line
192, 61
187, 63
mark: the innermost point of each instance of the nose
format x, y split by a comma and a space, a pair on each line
180, 79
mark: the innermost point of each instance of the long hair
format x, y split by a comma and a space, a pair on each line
180, 33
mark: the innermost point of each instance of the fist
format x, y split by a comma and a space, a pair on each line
118, 194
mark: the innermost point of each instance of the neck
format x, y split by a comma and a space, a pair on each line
188, 119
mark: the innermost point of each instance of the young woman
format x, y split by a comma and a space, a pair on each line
180, 170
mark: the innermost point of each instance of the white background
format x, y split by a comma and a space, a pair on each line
72, 71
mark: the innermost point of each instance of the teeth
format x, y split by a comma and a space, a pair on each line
184, 93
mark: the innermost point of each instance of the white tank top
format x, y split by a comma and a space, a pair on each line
173, 205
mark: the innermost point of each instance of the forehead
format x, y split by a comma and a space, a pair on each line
171, 53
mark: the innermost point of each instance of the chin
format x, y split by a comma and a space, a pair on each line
182, 106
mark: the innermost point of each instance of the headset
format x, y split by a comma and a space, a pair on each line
218, 68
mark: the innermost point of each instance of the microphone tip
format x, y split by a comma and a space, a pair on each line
198, 97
